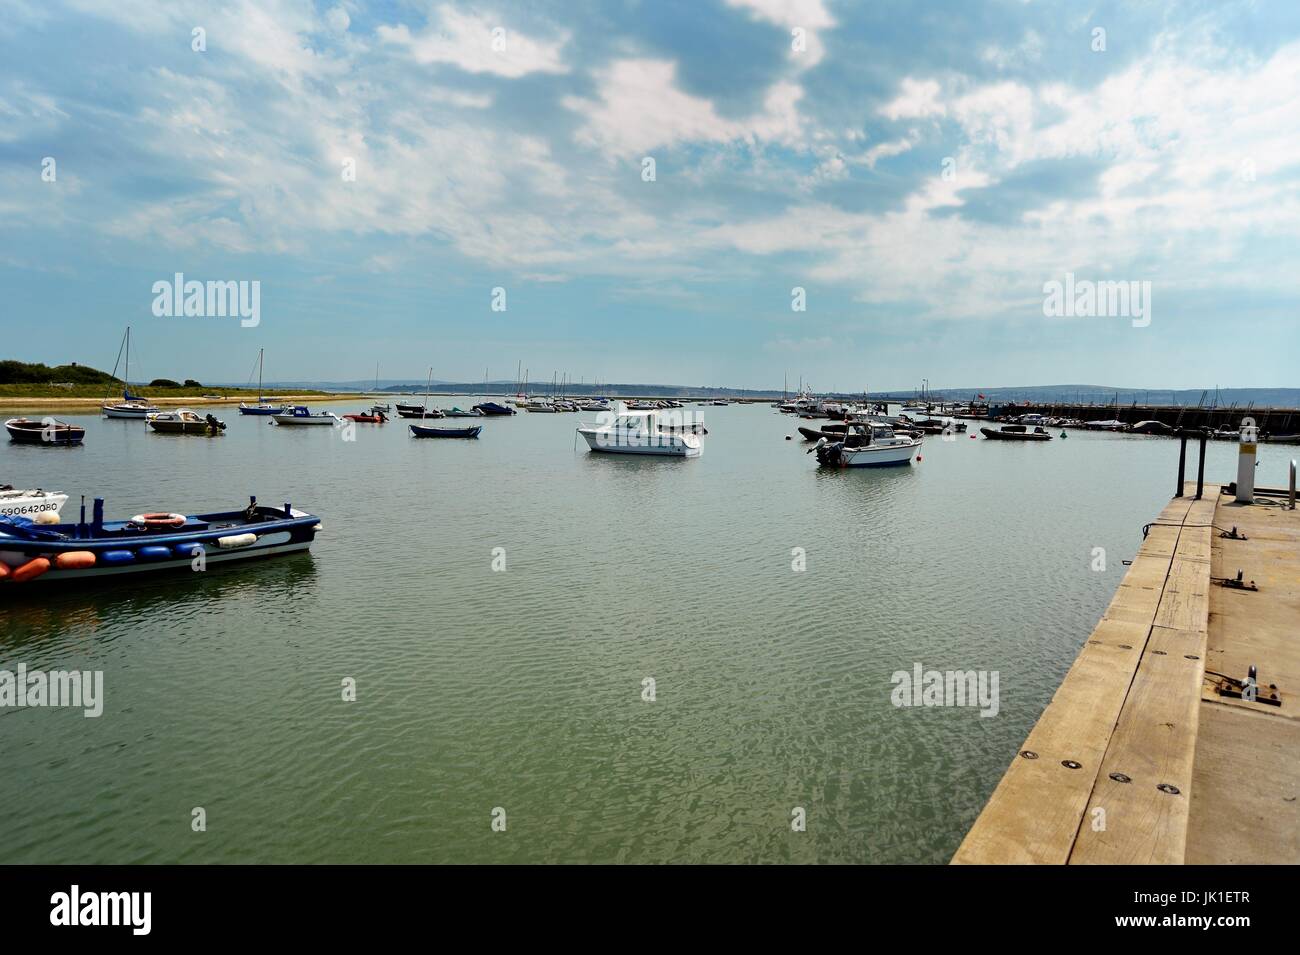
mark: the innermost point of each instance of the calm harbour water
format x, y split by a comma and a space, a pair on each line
522, 689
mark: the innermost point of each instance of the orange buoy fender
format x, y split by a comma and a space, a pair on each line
75, 560
4, 570
32, 569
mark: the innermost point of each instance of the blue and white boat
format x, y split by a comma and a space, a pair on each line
301, 414
81, 551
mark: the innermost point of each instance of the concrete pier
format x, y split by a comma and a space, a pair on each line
1154, 749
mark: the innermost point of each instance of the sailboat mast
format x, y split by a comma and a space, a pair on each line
127, 373
427, 385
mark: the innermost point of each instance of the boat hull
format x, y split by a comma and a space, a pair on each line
136, 414
201, 428
418, 432
1013, 435
305, 420
878, 457
119, 549
263, 410
660, 445
35, 432
15, 503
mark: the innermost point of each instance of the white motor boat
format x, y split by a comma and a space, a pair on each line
15, 502
641, 432
867, 446
302, 415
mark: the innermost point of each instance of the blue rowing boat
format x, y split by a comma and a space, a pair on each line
81, 551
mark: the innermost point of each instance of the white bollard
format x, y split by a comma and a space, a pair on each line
1246, 448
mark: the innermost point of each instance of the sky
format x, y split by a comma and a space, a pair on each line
653, 189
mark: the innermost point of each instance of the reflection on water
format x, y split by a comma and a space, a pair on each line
522, 687
49, 611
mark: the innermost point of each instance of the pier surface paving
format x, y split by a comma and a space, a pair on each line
1141, 757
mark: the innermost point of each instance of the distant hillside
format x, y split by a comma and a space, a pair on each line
34, 373
1102, 395
1085, 394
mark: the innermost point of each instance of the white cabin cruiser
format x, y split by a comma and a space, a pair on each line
301, 415
643, 432
866, 446
15, 502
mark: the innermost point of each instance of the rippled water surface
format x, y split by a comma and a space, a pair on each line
522, 689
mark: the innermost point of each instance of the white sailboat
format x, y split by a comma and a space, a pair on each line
262, 407
130, 406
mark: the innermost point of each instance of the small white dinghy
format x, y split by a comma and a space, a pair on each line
31, 503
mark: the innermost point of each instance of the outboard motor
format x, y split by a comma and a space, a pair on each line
829, 453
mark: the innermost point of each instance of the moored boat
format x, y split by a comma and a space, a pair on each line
1151, 427
374, 416
1016, 432
30, 503
302, 415
262, 407
494, 409
131, 406
46, 431
185, 421
421, 432
641, 432
461, 413
867, 445
1109, 425
81, 551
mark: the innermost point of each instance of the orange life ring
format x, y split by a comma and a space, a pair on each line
159, 519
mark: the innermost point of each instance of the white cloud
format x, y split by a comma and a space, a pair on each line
810, 16
467, 41
641, 108
917, 99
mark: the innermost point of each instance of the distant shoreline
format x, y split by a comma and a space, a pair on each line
78, 403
